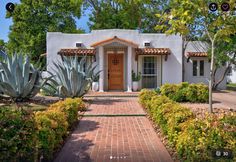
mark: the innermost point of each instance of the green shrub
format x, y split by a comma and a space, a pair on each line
168, 115
53, 124
70, 107
169, 90
203, 93
17, 135
181, 93
52, 127
199, 137
175, 116
194, 139
185, 92
146, 95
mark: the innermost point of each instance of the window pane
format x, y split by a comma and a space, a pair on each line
149, 65
202, 68
149, 78
149, 81
194, 68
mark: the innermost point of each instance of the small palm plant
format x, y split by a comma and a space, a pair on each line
19, 79
72, 78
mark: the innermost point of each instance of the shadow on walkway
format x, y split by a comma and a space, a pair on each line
76, 146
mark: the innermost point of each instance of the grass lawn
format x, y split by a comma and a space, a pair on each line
31, 106
231, 86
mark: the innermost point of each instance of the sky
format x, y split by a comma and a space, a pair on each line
5, 23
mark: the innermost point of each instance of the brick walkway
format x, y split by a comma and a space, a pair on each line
118, 139
118, 106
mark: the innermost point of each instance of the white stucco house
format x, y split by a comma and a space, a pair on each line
231, 77
117, 53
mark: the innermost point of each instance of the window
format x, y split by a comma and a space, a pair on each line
202, 68
149, 73
198, 67
194, 68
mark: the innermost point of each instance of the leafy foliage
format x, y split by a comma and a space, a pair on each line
135, 14
136, 77
193, 138
19, 79
17, 134
193, 19
70, 107
52, 127
146, 95
73, 78
185, 92
33, 19
206, 135
29, 136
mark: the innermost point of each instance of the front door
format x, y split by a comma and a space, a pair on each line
115, 72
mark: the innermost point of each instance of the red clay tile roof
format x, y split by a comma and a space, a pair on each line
76, 51
152, 51
197, 54
115, 38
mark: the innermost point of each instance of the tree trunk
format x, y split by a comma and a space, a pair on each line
211, 77
215, 84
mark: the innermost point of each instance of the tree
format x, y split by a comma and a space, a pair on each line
124, 14
33, 19
188, 17
2, 45
225, 56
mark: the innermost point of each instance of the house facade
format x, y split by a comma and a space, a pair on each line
231, 77
116, 53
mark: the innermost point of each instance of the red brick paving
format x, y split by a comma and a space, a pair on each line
111, 93
118, 139
118, 106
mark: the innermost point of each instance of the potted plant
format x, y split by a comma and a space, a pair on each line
135, 78
95, 84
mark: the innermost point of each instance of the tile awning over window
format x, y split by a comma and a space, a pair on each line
152, 51
76, 51
197, 54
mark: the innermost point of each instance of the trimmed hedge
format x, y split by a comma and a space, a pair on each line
17, 135
193, 139
70, 107
38, 134
185, 92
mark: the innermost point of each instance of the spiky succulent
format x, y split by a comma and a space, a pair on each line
19, 79
72, 78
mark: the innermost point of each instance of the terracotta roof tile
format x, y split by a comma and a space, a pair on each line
197, 54
76, 51
153, 51
115, 38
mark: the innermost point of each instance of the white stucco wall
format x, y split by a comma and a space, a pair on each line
172, 68
188, 66
232, 77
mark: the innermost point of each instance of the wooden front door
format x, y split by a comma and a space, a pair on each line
115, 72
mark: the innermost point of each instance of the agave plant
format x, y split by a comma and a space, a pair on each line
19, 79
73, 78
